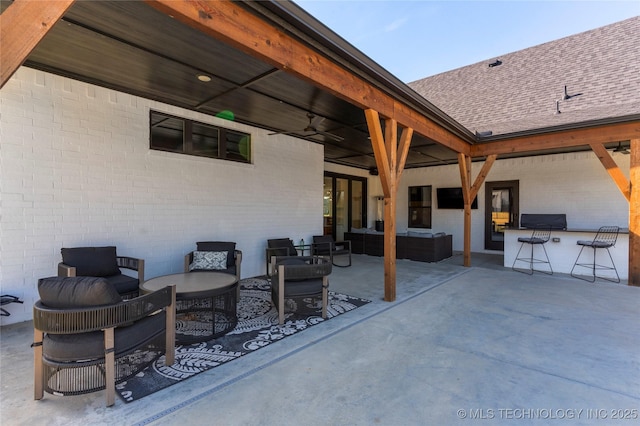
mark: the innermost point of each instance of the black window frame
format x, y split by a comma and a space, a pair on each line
188, 147
420, 208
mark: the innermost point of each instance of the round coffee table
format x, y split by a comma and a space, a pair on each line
205, 303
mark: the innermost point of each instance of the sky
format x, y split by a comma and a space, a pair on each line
420, 38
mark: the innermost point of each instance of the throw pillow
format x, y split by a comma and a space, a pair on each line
227, 246
209, 260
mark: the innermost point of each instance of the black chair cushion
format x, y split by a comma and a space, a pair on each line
92, 261
290, 261
86, 346
297, 287
282, 246
301, 288
531, 240
124, 284
323, 244
76, 292
229, 247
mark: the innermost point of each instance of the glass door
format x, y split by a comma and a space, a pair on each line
341, 198
501, 211
344, 204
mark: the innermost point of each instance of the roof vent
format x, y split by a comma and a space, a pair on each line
568, 96
495, 64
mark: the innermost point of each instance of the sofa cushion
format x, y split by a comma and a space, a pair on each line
228, 246
208, 261
281, 247
92, 261
76, 292
289, 261
124, 284
72, 347
419, 234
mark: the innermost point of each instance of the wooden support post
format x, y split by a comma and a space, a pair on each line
464, 162
469, 193
634, 215
390, 161
22, 25
391, 146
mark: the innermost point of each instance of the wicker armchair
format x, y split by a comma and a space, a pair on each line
86, 338
201, 259
233, 257
103, 262
325, 245
298, 277
278, 247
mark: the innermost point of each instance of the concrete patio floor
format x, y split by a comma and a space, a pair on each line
458, 346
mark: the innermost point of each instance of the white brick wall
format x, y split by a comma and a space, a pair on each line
575, 184
75, 170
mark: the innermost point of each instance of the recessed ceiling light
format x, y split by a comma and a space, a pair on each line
204, 78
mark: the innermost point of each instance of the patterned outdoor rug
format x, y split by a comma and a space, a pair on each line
257, 327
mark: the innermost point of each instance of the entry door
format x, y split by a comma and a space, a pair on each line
344, 204
501, 211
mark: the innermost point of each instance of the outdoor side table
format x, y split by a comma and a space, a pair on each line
205, 303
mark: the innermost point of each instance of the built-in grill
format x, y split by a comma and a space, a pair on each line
553, 221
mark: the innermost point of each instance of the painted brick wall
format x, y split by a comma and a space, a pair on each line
575, 184
76, 170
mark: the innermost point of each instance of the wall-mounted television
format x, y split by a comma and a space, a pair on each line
451, 198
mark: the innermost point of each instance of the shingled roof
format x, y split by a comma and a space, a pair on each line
525, 90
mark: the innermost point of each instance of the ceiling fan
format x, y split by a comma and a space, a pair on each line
621, 149
311, 129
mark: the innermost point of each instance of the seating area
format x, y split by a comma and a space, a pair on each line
418, 246
347, 349
87, 334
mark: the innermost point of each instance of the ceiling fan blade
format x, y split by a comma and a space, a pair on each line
315, 121
330, 135
282, 133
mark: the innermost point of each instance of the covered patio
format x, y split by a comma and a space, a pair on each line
460, 344
277, 67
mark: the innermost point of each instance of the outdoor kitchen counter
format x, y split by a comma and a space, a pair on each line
563, 249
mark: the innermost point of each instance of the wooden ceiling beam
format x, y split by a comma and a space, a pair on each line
22, 25
561, 139
612, 168
227, 21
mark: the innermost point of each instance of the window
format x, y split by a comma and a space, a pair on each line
420, 206
175, 134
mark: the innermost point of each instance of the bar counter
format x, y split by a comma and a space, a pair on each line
563, 252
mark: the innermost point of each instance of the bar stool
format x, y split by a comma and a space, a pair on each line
539, 237
605, 238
